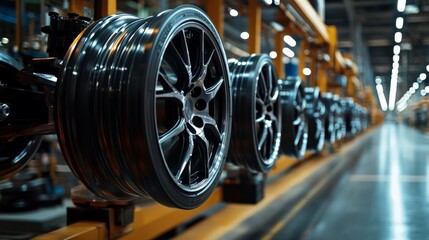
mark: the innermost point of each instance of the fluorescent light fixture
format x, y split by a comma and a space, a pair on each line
244, 35
288, 52
306, 71
273, 54
289, 40
396, 49
412, 90
395, 65
399, 22
411, 9
379, 88
423, 92
402, 107
395, 58
269, 2
398, 37
415, 85
401, 5
233, 12
392, 94
427, 68
378, 80
277, 2
422, 76
395, 71
427, 89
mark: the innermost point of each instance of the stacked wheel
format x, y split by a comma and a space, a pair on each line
330, 116
255, 141
315, 113
14, 152
146, 113
294, 123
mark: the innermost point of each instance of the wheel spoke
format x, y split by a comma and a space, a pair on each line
203, 144
171, 95
186, 157
262, 86
297, 121
211, 125
260, 119
175, 54
163, 80
299, 134
274, 98
178, 128
263, 137
212, 91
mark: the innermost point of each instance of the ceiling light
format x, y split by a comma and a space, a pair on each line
415, 85
289, 40
395, 71
244, 35
422, 76
395, 65
277, 2
233, 12
306, 71
411, 9
396, 49
427, 89
379, 88
378, 80
288, 52
395, 58
427, 68
392, 94
423, 92
273, 54
269, 2
401, 5
399, 22
398, 37
412, 90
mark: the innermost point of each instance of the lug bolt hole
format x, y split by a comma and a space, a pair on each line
198, 122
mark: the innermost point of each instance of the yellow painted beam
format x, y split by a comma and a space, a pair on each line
153, 220
103, 8
215, 10
78, 231
307, 12
255, 24
278, 48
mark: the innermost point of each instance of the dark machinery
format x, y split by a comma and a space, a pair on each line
137, 112
294, 122
315, 113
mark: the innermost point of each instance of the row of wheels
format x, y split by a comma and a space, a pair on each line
140, 112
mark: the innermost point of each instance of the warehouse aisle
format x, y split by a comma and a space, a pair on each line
385, 195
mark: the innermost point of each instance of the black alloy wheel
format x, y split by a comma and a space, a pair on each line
255, 140
330, 116
14, 153
294, 121
315, 111
144, 107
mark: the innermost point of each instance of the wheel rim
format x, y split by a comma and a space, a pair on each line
189, 116
295, 132
147, 118
257, 115
315, 117
15, 154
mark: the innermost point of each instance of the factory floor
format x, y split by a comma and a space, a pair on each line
377, 189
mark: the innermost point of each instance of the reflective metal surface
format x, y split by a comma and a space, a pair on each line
256, 131
294, 122
144, 107
315, 111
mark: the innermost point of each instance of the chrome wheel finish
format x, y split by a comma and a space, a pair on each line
144, 112
315, 112
256, 131
294, 122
